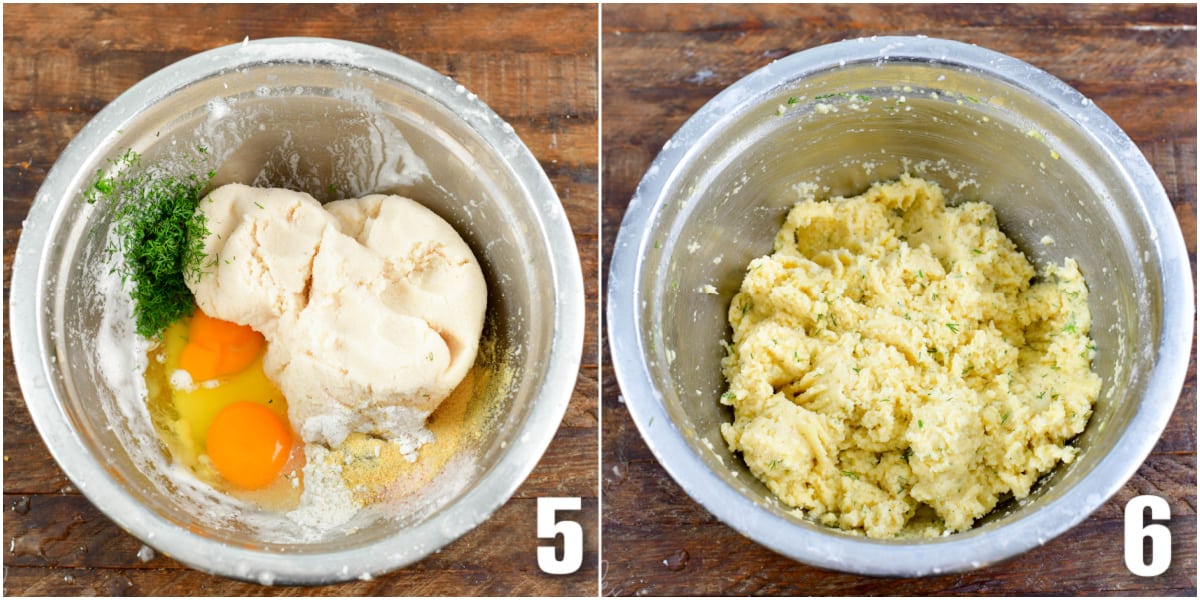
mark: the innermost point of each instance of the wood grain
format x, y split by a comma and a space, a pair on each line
662, 63
535, 65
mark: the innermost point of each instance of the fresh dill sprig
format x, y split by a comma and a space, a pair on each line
159, 235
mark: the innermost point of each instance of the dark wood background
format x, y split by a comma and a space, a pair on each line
1137, 63
536, 66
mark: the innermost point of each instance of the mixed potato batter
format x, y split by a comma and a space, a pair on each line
898, 366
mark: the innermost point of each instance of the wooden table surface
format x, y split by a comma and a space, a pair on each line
536, 66
662, 63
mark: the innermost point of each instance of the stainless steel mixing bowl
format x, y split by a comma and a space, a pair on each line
335, 119
983, 125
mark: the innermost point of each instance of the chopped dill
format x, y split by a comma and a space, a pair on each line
159, 235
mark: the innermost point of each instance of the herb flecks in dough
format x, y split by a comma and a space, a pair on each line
894, 295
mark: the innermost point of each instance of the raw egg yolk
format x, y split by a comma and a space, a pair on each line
248, 444
216, 348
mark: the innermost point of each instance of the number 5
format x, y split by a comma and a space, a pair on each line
1136, 531
548, 527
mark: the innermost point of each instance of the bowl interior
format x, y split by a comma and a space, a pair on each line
334, 131
1056, 194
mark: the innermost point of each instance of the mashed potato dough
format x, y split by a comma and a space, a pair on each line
372, 308
896, 368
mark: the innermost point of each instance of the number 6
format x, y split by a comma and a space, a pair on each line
572, 535
1136, 531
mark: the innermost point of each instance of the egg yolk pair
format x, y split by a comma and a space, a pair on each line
247, 442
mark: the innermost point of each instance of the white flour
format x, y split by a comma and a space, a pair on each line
325, 502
